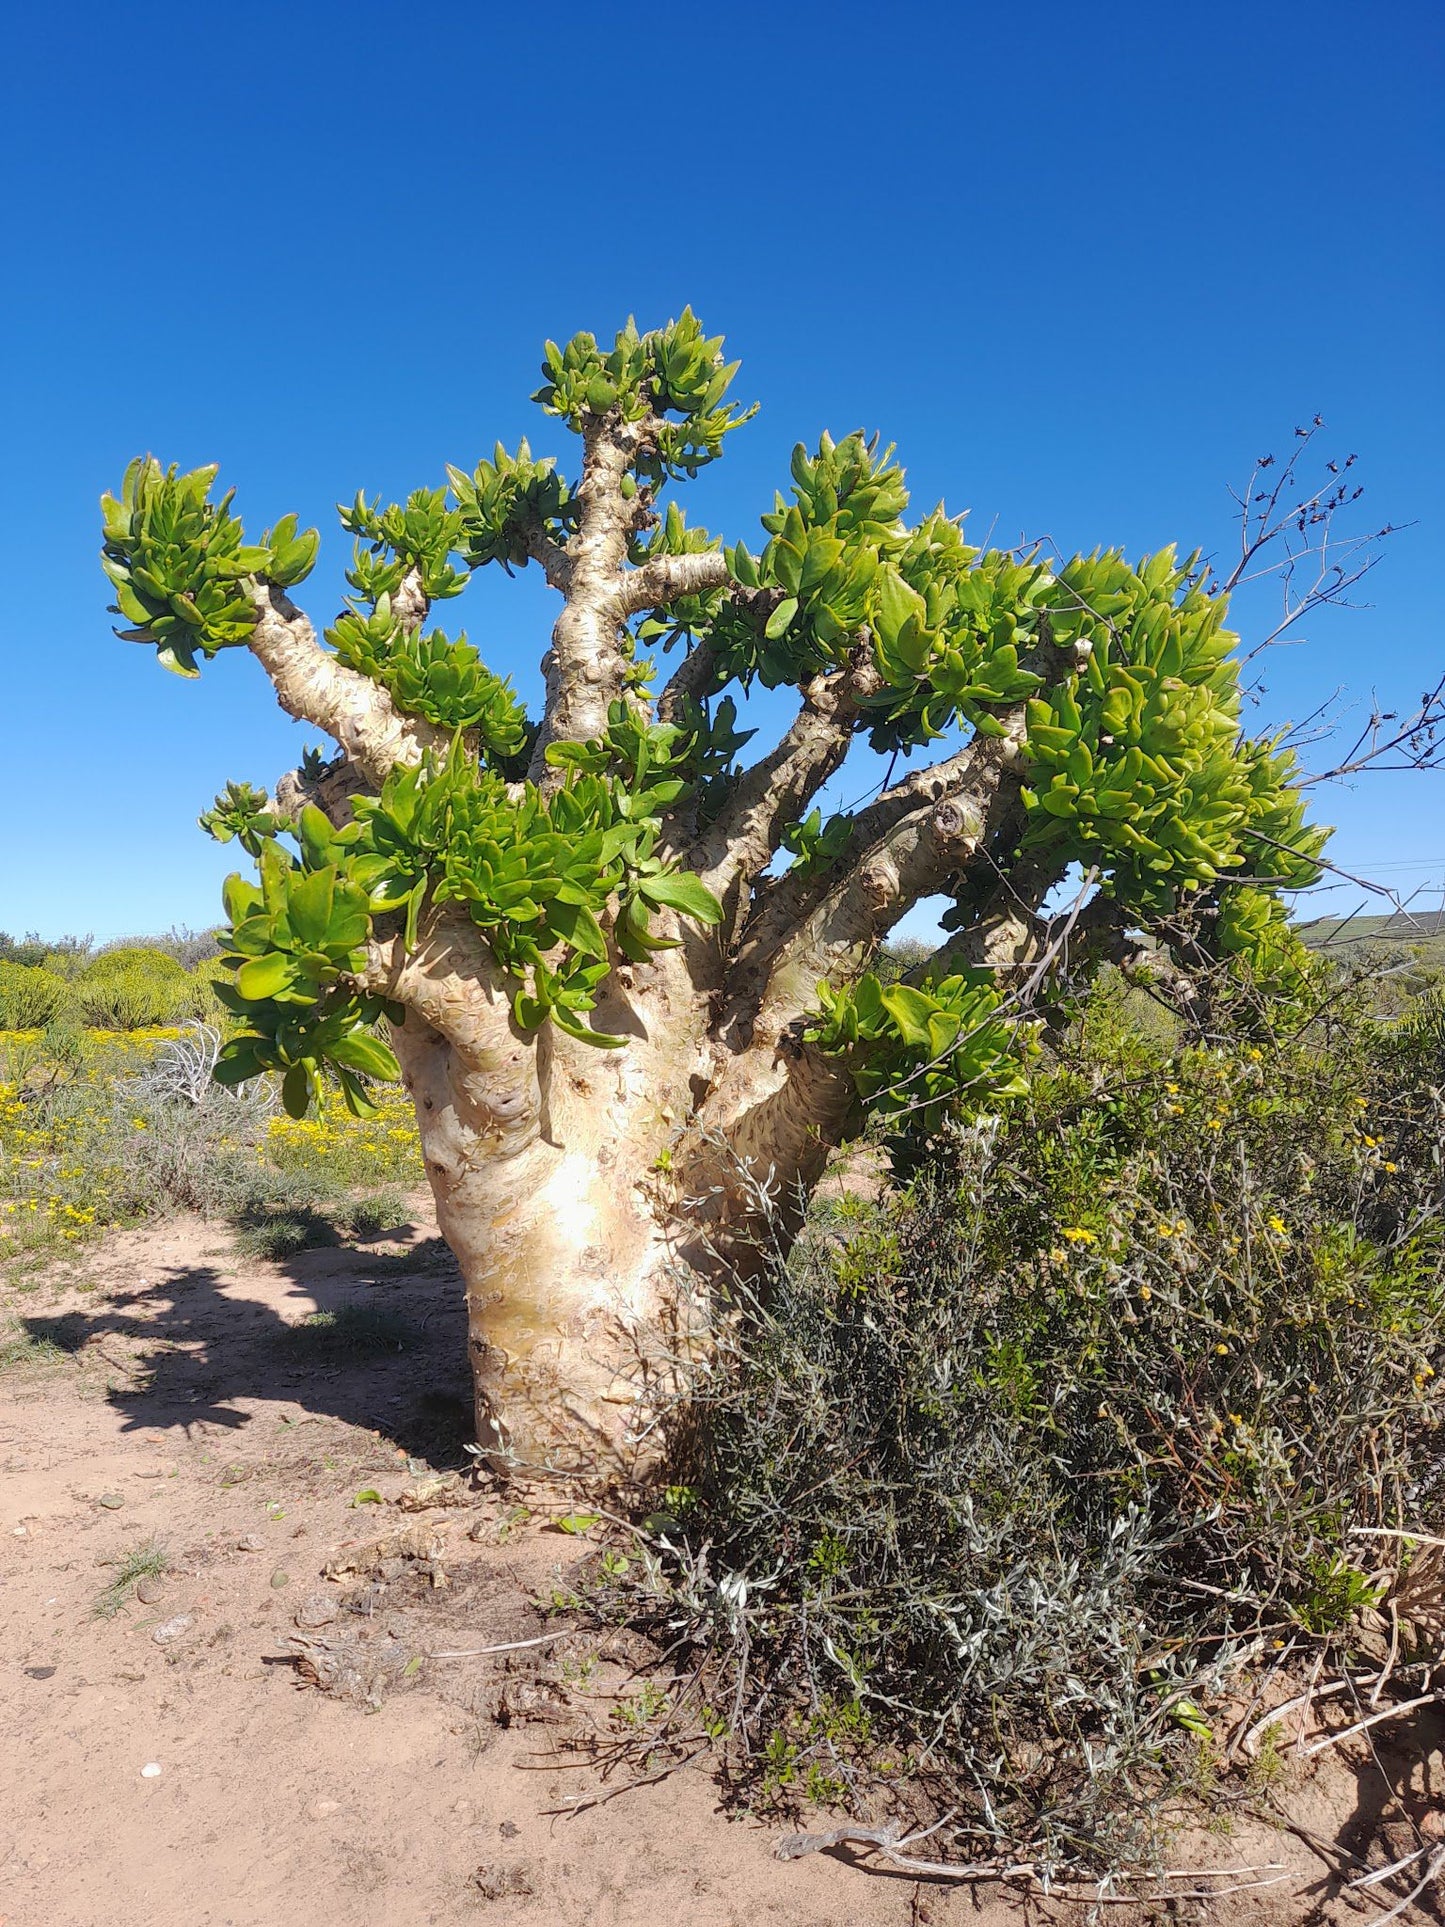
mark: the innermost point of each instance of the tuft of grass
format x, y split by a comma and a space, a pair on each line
278, 1232
148, 1561
369, 1216
21, 1347
351, 1329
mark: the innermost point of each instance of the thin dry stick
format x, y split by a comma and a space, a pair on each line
508, 1646
1387, 1873
585, 1800
1437, 1863
1173, 1893
1393, 1532
1375, 1719
884, 1841
1260, 1689
1251, 1739
1390, 1657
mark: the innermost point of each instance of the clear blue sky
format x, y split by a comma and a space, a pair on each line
1080, 263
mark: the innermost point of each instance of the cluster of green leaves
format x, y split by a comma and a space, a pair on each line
535, 872
1137, 763
920, 1054
661, 764
507, 498
814, 844
242, 812
828, 551
672, 371
1253, 933
946, 627
180, 563
296, 944
647, 768
431, 676
394, 541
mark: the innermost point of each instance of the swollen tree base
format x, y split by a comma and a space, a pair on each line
583, 1311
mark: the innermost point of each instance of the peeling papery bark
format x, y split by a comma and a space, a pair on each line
546, 1160
312, 686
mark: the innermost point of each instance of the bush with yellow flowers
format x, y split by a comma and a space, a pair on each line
1006, 1477
90, 1139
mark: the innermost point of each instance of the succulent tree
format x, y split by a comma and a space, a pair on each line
624, 974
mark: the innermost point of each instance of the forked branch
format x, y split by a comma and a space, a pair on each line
315, 688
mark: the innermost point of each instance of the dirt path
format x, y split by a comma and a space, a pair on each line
182, 1401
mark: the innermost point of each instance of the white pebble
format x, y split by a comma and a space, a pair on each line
151, 1770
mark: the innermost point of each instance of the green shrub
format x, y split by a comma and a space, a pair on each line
30, 996
21, 950
98, 1131
131, 988
999, 1483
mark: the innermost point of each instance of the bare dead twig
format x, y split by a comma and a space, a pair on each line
508, 1646
890, 1844
1434, 1867
600, 1798
1375, 1719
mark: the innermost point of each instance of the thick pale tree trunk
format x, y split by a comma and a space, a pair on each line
550, 1164
596, 1200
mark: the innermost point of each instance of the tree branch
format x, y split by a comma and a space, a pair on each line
667, 578
689, 681
331, 790
315, 688
550, 556
781, 903
924, 853
585, 665
738, 847
453, 983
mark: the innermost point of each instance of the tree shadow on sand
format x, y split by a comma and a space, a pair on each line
374, 1339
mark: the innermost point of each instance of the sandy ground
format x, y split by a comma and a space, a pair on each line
187, 1411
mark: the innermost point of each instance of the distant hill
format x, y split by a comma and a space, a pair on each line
1404, 953
1402, 927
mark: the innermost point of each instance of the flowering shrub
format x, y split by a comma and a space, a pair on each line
1007, 1476
356, 1151
84, 1147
